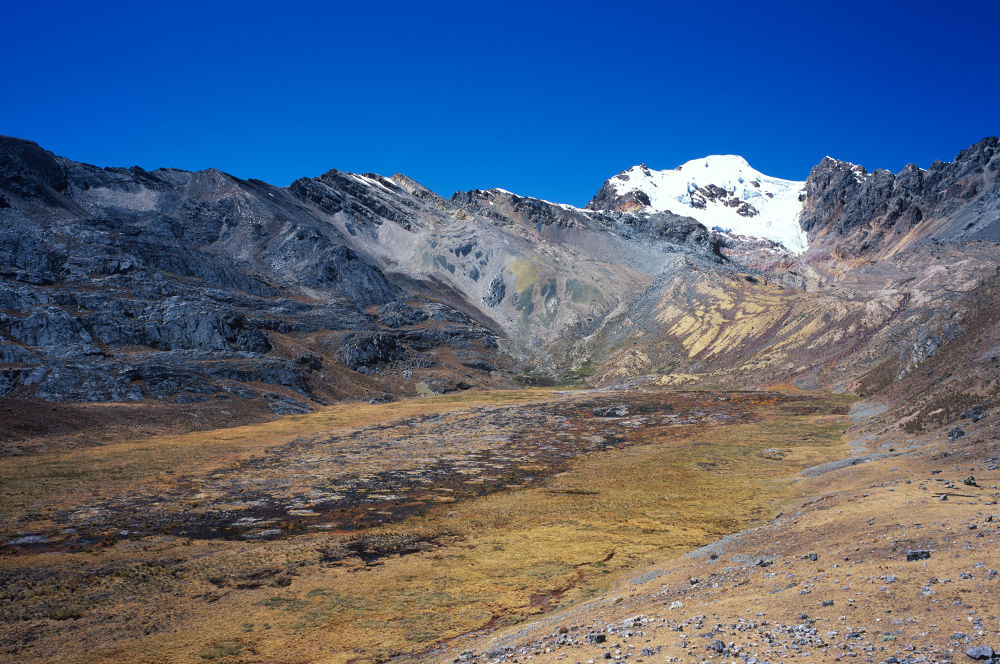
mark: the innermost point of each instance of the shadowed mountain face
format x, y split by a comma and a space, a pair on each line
171, 287
122, 285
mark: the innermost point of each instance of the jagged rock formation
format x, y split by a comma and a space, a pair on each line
852, 213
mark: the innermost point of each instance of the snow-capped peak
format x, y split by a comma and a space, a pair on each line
723, 192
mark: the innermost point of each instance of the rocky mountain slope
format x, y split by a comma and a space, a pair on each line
867, 293
124, 285
850, 213
172, 287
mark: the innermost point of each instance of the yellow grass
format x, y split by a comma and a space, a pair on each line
107, 469
497, 559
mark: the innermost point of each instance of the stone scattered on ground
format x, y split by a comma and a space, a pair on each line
871, 568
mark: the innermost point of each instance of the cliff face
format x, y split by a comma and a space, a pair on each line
851, 213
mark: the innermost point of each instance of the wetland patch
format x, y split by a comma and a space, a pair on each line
382, 473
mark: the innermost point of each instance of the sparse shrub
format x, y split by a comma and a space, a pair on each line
941, 410
222, 649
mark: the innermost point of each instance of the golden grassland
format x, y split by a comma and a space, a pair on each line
486, 562
830, 555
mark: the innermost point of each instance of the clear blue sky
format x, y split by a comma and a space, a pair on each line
545, 99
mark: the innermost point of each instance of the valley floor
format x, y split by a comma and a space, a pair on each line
891, 558
369, 533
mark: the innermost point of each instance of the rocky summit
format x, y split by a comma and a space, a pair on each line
351, 420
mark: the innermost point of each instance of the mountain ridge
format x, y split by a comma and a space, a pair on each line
356, 286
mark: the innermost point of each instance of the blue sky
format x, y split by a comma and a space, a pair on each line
544, 99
